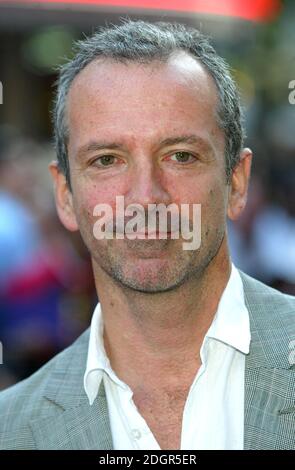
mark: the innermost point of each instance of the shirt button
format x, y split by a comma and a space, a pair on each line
136, 433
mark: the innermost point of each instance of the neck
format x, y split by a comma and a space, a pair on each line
162, 331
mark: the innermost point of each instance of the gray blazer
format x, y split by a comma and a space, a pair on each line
50, 409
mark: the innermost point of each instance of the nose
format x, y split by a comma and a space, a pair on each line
147, 185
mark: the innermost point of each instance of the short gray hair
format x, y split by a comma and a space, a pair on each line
143, 42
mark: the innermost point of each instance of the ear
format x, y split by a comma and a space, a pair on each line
239, 185
63, 198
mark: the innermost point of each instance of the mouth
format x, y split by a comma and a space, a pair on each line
151, 235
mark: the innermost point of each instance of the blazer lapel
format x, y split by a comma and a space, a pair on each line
83, 427
269, 377
72, 423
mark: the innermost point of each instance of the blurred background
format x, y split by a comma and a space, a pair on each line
47, 294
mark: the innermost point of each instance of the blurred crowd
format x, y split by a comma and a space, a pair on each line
262, 241
46, 288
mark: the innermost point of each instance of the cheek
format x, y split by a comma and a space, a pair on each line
214, 210
184, 189
204, 189
211, 193
88, 194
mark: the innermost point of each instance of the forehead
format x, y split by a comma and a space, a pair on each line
142, 99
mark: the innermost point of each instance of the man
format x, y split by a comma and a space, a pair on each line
184, 352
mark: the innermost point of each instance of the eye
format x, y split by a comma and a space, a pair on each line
182, 157
105, 160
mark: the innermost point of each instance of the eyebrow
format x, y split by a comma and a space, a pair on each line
185, 139
94, 146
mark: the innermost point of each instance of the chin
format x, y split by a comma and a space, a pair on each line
153, 276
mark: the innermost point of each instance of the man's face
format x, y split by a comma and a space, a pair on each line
148, 133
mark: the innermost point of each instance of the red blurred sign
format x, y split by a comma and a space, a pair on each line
255, 10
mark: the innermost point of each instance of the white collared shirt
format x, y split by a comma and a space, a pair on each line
213, 416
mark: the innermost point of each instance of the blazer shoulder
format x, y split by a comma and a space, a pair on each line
275, 302
25, 401
272, 324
